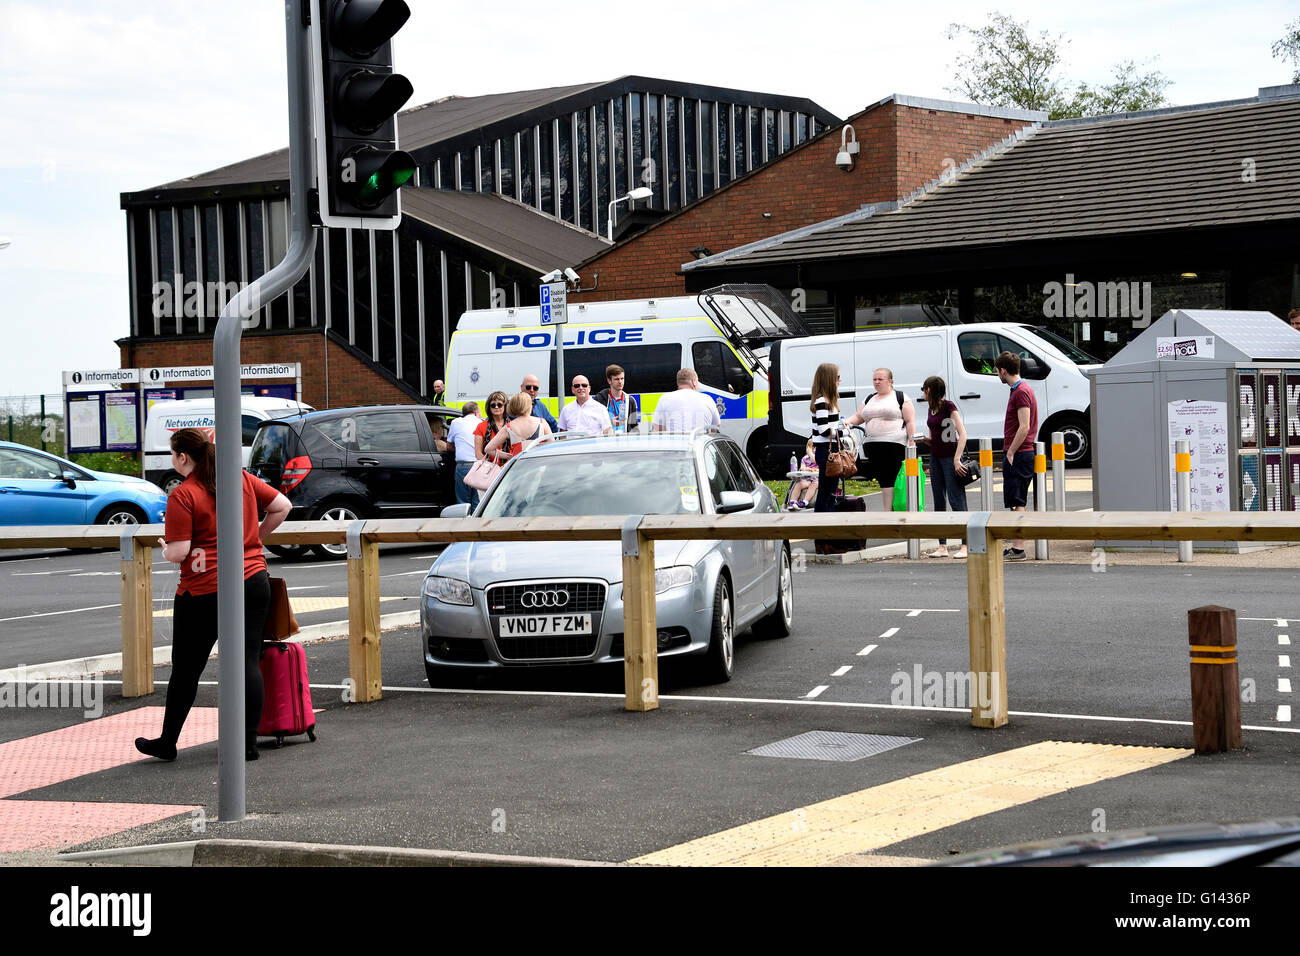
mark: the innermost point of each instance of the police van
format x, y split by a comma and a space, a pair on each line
724, 334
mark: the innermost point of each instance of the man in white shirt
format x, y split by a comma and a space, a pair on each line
685, 409
461, 434
585, 414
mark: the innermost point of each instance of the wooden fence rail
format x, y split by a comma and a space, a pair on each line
984, 531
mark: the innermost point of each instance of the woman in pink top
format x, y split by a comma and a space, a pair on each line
890, 422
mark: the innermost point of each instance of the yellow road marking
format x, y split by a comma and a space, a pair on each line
835, 831
304, 605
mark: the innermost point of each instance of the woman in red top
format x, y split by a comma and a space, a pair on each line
191, 541
495, 421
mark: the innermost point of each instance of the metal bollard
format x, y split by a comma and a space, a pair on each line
1040, 493
986, 474
1058, 471
1183, 466
912, 468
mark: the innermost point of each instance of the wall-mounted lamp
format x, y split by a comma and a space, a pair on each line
848, 148
701, 252
1188, 275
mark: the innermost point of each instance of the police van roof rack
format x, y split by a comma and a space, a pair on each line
752, 315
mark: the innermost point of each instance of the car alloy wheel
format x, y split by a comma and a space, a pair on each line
780, 622
120, 515
719, 661
334, 513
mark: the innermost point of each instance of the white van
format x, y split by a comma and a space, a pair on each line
723, 334
166, 417
962, 355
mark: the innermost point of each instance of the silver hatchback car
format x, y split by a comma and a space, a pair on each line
491, 605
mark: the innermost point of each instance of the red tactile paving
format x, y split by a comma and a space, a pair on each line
92, 746
48, 824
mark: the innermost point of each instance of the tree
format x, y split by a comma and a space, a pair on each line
1288, 48
1012, 67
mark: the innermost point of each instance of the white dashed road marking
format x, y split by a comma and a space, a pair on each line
893, 630
1284, 685
1283, 660
1284, 713
848, 667
816, 691
870, 647
1282, 639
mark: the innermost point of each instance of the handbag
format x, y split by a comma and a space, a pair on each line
280, 622
840, 463
900, 489
482, 473
972, 471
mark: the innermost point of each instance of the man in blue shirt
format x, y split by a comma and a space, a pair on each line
532, 386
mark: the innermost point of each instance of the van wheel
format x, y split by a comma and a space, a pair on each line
171, 482
1078, 441
759, 457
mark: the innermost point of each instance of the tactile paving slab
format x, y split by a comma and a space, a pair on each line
51, 824
831, 745
92, 746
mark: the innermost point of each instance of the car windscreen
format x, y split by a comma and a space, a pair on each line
272, 447
600, 483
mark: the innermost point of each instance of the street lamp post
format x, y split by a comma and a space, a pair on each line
641, 192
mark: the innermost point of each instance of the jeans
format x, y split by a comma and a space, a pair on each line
825, 486
464, 493
946, 483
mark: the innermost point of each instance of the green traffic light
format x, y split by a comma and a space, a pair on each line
384, 174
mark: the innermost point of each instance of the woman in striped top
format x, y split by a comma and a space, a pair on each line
825, 407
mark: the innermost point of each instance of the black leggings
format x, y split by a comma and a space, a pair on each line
826, 487
194, 626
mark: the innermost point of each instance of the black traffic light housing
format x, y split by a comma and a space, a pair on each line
359, 168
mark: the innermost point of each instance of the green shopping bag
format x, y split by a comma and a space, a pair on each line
900, 489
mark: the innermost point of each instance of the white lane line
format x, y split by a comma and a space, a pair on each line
75, 610
802, 702
97, 574
35, 574
917, 611
1283, 660
21, 560
816, 691
1284, 713
1282, 639
1284, 685
867, 650
1279, 621
891, 632
317, 587
848, 667
402, 574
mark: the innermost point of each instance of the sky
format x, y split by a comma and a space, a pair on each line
100, 98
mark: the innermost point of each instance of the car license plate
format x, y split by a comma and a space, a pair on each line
537, 625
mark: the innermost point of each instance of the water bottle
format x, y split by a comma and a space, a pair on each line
794, 463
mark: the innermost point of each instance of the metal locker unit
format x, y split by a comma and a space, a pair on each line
1246, 362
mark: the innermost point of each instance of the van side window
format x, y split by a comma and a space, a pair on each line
1006, 345
978, 351
650, 368
718, 367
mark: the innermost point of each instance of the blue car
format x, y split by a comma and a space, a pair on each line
37, 488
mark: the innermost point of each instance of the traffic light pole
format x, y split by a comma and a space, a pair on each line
225, 360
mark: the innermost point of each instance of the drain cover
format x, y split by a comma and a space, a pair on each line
830, 745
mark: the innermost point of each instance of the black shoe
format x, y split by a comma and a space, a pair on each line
1014, 554
251, 753
156, 748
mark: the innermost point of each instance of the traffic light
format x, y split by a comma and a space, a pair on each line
359, 168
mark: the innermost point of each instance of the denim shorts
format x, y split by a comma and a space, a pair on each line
1016, 479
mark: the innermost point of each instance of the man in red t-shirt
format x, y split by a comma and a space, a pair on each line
1019, 432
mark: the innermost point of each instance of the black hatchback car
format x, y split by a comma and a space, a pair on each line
378, 461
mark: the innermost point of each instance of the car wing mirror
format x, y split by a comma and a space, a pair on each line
455, 511
69, 478
733, 501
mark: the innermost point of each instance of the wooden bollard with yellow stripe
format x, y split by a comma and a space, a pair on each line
1216, 698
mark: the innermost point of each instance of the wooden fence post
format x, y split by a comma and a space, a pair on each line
137, 615
1216, 694
987, 618
640, 630
364, 652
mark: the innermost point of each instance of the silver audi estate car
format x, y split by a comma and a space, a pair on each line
490, 605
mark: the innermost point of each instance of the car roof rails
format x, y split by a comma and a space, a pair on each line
565, 436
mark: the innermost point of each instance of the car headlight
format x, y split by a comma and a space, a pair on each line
448, 590
675, 577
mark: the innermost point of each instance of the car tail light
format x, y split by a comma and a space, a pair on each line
295, 470
771, 403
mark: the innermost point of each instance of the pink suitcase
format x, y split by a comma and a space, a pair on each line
286, 706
